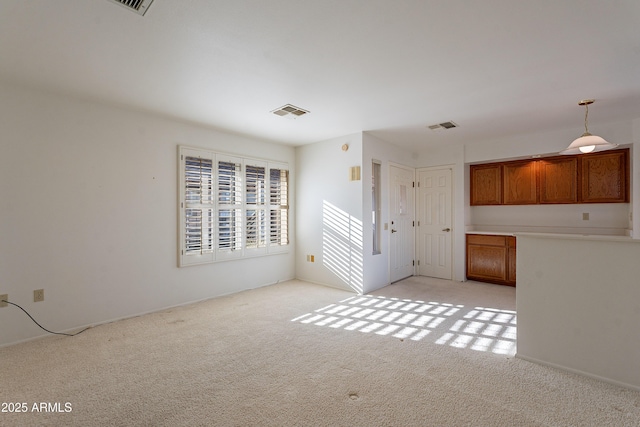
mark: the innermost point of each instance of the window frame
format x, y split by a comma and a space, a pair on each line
240, 190
376, 206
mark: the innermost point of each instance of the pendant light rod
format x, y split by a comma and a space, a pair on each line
586, 103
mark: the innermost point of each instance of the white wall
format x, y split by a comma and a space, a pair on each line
377, 266
88, 212
543, 142
578, 303
604, 218
329, 217
334, 214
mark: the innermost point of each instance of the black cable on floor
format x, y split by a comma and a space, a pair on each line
42, 327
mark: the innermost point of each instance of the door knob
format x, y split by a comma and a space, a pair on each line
393, 231
446, 229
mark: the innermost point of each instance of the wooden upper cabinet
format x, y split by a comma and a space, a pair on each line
520, 183
605, 177
558, 180
584, 178
486, 184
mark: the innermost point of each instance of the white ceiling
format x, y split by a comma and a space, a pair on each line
391, 67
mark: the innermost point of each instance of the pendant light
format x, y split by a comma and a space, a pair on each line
588, 143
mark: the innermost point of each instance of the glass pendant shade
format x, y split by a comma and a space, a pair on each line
587, 143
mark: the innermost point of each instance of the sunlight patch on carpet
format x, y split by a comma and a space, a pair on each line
479, 328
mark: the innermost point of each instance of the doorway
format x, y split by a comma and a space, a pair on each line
401, 216
434, 230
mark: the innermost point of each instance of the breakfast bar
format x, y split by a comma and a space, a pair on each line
578, 304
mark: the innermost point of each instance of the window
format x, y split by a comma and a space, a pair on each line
376, 205
279, 206
256, 216
230, 207
197, 207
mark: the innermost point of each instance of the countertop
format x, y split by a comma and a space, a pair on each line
600, 237
581, 236
492, 233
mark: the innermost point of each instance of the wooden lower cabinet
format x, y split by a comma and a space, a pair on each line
491, 258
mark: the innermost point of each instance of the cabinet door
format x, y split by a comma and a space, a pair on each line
558, 180
486, 184
604, 177
487, 258
520, 183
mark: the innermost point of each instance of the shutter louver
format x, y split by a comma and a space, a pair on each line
256, 233
199, 228
279, 206
230, 206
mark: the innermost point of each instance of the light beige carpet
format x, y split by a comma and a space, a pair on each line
421, 352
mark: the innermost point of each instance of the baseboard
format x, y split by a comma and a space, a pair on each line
131, 316
327, 285
579, 372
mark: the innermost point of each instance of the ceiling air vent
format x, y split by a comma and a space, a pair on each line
289, 109
443, 125
138, 6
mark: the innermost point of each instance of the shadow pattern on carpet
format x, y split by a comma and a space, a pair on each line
478, 328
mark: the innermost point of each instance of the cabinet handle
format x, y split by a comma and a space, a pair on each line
446, 229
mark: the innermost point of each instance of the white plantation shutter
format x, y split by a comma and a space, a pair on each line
197, 210
279, 206
230, 207
230, 204
256, 227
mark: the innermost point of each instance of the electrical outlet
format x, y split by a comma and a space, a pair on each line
585, 216
38, 295
4, 297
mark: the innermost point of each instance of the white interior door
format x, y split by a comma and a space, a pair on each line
401, 228
434, 223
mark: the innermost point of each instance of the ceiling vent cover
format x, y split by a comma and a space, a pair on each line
443, 125
289, 109
138, 6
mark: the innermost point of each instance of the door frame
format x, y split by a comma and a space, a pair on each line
388, 213
454, 233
